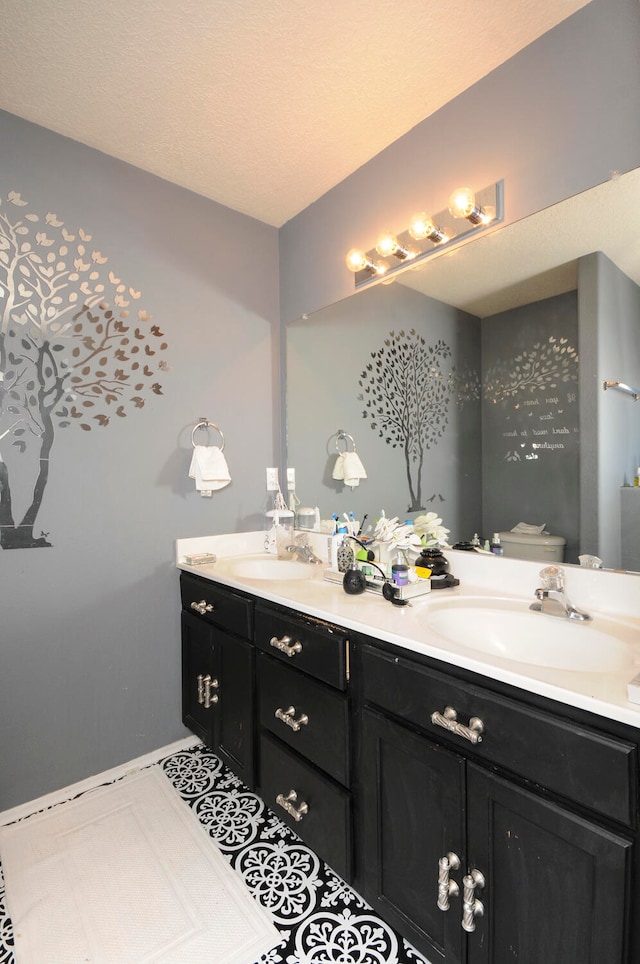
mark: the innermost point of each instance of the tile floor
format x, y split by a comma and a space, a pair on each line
321, 919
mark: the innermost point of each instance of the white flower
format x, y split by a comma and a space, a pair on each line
405, 537
430, 526
385, 528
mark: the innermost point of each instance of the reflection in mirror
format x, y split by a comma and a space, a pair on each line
474, 383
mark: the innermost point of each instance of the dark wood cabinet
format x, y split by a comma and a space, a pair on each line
218, 673
488, 825
544, 883
413, 800
198, 671
304, 719
555, 883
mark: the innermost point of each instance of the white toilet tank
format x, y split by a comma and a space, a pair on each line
538, 548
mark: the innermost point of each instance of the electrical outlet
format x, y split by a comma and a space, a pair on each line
291, 480
272, 480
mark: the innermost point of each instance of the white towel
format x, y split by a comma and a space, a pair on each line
528, 530
209, 468
349, 469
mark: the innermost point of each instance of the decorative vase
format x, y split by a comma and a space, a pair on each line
433, 559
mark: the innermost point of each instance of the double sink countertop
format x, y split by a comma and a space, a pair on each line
489, 611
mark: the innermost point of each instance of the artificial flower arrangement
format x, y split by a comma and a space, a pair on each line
395, 537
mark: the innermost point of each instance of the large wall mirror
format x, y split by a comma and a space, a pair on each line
472, 385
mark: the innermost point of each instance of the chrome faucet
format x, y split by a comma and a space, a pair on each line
552, 597
304, 552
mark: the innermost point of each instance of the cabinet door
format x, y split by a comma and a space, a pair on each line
198, 662
317, 808
235, 735
413, 814
554, 882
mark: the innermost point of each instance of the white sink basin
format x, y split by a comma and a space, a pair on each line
268, 567
530, 637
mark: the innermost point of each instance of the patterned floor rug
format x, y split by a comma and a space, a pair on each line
320, 918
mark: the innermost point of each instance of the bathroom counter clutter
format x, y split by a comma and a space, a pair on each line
484, 625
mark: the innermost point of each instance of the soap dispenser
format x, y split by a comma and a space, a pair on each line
355, 581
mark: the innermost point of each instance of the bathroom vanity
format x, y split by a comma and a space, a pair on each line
488, 809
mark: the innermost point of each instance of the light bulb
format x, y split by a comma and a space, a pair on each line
387, 244
422, 227
356, 260
462, 204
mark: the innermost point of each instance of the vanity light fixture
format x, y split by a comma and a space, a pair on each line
468, 214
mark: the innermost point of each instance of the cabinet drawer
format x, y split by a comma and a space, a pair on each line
324, 737
228, 609
326, 826
315, 647
586, 766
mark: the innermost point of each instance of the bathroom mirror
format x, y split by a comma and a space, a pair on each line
504, 419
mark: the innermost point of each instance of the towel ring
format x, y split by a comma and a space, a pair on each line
205, 423
343, 436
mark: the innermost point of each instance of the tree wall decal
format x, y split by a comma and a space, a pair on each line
407, 391
545, 365
72, 349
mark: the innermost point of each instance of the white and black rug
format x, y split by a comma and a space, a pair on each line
321, 919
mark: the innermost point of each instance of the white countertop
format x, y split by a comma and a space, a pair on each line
610, 598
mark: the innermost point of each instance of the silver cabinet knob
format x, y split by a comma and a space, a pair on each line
286, 645
446, 886
449, 721
471, 906
287, 803
288, 718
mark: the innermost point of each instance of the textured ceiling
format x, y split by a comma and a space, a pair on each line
262, 105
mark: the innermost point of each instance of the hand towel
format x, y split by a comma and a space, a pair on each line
209, 468
349, 468
338, 468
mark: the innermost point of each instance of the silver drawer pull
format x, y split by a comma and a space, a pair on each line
205, 685
287, 716
449, 721
202, 607
446, 887
471, 906
287, 803
285, 645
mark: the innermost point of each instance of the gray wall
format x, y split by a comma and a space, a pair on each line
89, 629
609, 324
326, 357
530, 419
